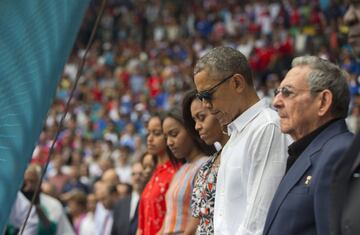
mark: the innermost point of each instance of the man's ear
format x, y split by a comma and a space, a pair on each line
238, 82
325, 102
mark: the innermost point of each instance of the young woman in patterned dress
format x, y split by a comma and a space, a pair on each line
210, 131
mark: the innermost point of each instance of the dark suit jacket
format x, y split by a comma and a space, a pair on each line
122, 224
301, 203
345, 195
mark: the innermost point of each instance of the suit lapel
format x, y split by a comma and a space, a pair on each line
135, 213
123, 211
355, 166
299, 168
127, 208
288, 182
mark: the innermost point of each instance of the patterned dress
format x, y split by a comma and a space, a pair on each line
152, 207
203, 197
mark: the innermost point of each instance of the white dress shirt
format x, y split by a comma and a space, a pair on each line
134, 200
103, 220
87, 226
55, 212
18, 214
253, 163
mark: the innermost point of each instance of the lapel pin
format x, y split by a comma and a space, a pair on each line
308, 180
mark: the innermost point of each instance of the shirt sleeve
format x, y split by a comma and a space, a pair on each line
19, 212
64, 226
268, 153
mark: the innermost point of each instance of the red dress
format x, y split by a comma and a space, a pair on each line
152, 207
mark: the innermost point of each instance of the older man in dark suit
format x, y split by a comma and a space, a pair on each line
312, 102
345, 195
125, 211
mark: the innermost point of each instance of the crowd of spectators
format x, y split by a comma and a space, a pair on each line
142, 61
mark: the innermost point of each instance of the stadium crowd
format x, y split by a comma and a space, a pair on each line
141, 63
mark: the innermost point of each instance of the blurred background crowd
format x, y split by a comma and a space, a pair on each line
142, 61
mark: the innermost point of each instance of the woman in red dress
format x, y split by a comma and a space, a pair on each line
152, 205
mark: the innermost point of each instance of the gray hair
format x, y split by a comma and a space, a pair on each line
223, 61
326, 75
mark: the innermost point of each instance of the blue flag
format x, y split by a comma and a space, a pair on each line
36, 38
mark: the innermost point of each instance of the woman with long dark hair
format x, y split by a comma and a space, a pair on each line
152, 205
199, 120
189, 148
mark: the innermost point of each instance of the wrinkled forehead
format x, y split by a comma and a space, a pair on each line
297, 76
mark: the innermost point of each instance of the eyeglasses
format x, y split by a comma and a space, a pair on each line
207, 94
286, 92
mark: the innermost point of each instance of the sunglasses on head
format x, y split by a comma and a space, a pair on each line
207, 94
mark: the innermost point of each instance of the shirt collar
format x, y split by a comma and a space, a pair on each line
242, 120
135, 194
296, 148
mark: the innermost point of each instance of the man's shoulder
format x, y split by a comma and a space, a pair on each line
337, 134
122, 202
270, 113
50, 201
333, 143
267, 117
53, 206
339, 141
264, 120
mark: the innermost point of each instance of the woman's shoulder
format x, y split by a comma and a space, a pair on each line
208, 163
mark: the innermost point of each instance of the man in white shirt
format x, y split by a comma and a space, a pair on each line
107, 196
51, 208
254, 159
18, 215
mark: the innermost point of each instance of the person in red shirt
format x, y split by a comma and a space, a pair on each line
152, 205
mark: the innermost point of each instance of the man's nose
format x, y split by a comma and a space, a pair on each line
277, 101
